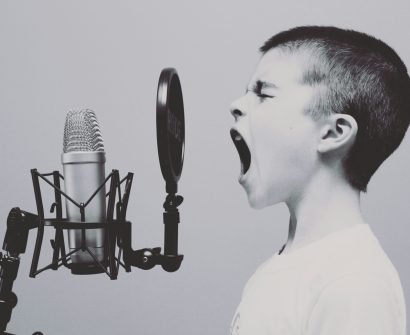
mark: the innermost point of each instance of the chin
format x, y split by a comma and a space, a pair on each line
255, 204
259, 201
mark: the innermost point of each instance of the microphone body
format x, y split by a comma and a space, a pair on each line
84, 172
83, 162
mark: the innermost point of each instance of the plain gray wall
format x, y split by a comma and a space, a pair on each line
107, 56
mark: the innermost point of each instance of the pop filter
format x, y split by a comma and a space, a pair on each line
170, 128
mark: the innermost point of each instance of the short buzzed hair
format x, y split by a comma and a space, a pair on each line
359, 75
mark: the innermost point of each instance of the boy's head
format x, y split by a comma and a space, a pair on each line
320, 95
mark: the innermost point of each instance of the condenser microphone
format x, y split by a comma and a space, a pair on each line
83, 160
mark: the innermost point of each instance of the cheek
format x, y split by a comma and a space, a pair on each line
284, 146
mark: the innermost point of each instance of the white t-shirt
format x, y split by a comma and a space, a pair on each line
342, 284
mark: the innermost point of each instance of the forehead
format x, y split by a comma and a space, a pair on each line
280, 67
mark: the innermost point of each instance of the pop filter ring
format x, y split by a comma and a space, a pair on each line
170, 128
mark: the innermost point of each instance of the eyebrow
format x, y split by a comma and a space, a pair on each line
259, 85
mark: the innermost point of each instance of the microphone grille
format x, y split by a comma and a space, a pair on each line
82, 132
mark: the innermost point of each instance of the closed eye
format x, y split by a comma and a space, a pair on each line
257, 89
264, 96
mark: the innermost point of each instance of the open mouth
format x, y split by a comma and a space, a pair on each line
243, 150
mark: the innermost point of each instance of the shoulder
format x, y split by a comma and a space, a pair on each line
361, 288
359, 303
358, 252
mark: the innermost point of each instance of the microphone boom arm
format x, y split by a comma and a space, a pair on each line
15, 242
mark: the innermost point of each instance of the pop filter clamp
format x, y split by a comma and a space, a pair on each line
171, 143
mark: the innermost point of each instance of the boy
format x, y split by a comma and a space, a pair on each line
323, 110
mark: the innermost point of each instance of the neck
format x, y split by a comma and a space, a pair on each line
327, 205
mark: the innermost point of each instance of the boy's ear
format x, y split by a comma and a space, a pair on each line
338, 132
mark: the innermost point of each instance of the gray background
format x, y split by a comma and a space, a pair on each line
107, 56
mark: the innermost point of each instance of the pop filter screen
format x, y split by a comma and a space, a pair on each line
170, 128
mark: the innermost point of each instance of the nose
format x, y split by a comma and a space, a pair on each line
237, 109
236, 113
